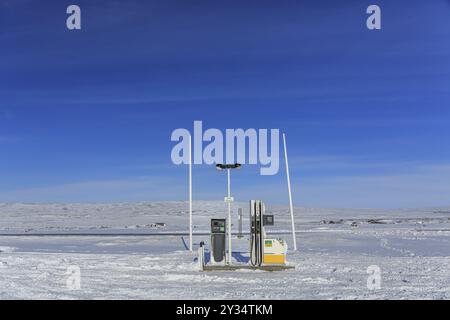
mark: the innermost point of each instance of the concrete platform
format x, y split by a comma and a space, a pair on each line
235, 267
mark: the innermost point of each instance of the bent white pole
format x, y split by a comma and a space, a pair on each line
291, 206
190, 193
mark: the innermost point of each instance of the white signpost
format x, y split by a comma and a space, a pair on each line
229, 200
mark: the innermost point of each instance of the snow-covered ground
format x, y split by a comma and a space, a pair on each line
136, 251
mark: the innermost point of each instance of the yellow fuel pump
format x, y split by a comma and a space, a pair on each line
264, 251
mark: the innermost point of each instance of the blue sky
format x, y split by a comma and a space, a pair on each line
86, 116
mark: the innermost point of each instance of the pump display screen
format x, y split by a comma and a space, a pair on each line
268, 220
218, 225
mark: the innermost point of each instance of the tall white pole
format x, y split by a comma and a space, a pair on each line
291, 206
190, 193
229, 217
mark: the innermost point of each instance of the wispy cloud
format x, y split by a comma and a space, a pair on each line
131, 189
416, 185
419, 185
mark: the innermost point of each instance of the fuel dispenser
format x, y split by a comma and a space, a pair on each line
218, 240
256, 232
264, 251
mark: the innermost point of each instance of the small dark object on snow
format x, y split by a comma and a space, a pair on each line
374, 221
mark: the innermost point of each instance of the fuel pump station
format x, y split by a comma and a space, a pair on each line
264, 253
